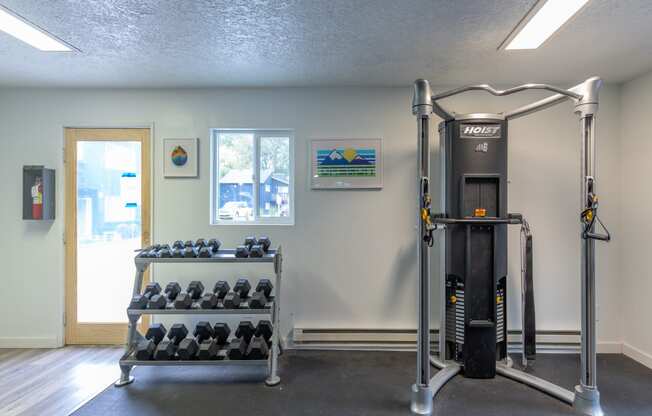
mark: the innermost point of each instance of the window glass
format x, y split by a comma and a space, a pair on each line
274, 199
235, 176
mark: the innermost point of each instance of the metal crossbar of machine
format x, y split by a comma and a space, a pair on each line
472, 221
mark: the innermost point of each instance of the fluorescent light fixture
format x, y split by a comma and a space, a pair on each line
544, 19
29, 33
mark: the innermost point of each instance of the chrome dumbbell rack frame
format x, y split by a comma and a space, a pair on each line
128, 361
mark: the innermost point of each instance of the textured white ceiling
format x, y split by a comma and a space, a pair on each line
200, 43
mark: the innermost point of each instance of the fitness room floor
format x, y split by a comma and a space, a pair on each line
56, 382
359, 383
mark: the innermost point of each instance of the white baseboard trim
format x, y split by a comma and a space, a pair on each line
30, 342
405, 340
610, 347
637, 355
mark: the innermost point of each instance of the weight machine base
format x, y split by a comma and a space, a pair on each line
587, 401
421, 400
584, 400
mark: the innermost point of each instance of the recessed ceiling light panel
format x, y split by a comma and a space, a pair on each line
29, 33
544, 19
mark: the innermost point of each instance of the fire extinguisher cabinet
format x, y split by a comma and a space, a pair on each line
38, 193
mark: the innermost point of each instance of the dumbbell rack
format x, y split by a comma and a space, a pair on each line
128, 361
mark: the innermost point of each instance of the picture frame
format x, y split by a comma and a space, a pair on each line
181, 158
346, 164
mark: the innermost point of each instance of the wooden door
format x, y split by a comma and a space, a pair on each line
107, 205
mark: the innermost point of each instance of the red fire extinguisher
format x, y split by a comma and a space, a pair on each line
37, 199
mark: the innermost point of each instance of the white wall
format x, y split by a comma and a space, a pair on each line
636, 284
350, 259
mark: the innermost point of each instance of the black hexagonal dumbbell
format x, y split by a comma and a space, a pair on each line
166, 349
242, 252
189, 243
189, 347
209, 349
265, 329
237, 349
250, 242
210, 300
205, 252
189, 252
265, 242
150, 251
256, 251
178, 244
260, 297
164, 251
240, 292
145, 349
214, 244
140, 301
160, 301
201, 243
177, 252
257, 349
184, 299
221, 332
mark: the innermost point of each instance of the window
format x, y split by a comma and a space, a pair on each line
252, 175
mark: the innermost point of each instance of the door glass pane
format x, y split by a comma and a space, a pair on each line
235, 176
108, 227
274, 195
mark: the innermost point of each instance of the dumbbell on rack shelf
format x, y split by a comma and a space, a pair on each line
265, 329
210, 300
260, 297
150, 251
241, 252
258, 348
166, 349
260, 247
237, 349
209, 349
214, 244
253, 247
184, 299
159, 301
154, 335
240, 292
189, 252
140, 301
189, 347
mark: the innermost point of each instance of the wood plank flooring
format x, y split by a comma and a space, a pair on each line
54, 382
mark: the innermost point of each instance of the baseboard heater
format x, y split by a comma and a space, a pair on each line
405, 340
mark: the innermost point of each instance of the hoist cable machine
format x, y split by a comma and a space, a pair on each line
473, 221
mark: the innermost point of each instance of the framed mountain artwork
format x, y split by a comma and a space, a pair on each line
346, 164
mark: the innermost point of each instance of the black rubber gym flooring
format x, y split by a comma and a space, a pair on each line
343, 383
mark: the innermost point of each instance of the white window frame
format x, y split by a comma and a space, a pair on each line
214, 169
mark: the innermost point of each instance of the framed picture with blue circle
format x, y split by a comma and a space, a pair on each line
180, 158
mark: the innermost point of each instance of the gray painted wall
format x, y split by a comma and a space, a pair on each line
350, 259
636, 200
